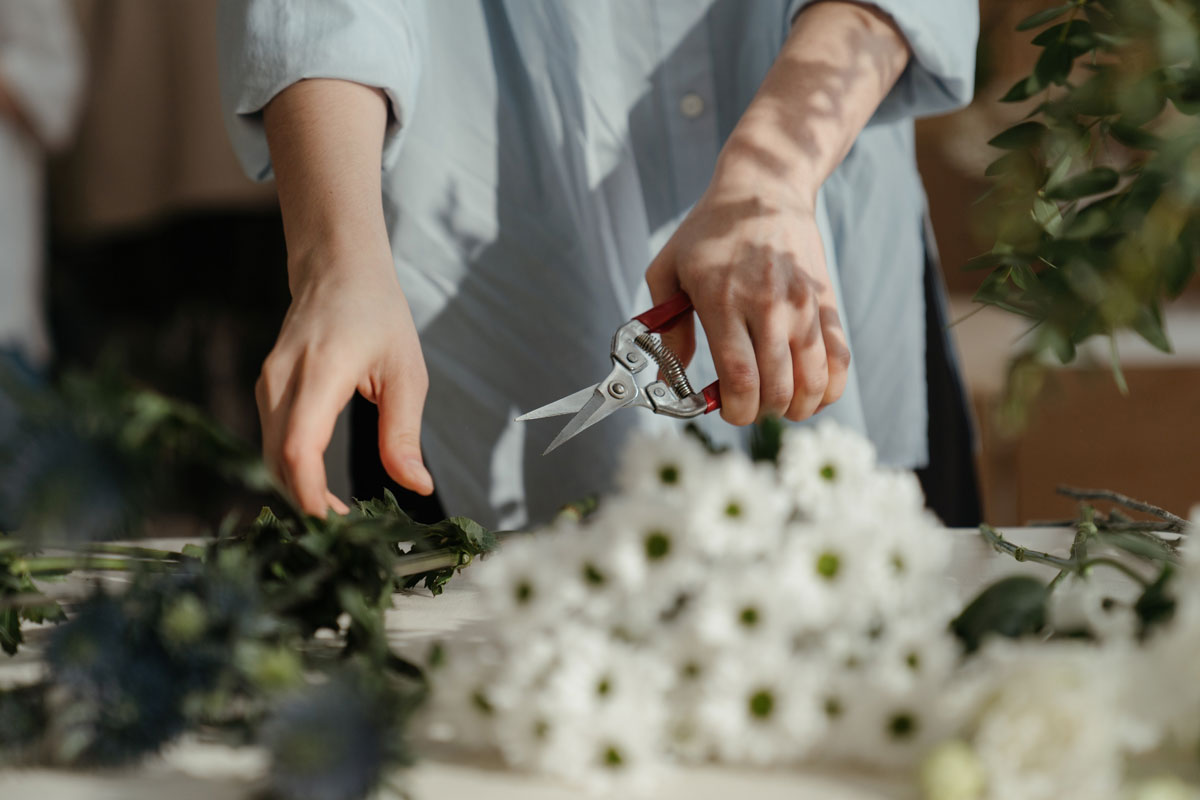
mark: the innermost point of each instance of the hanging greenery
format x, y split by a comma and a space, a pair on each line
1095, 200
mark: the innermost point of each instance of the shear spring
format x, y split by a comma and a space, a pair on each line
668, 362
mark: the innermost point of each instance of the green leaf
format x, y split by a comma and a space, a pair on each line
1133, 136
1076, 34
1053, 65
1024, 276
1044, 16
1115, 361
994, 259
1086, 223
1047, 216
1148, 324
1019, 136
766, 439
1094, 181
1021, 90
1156, 604
1011, 607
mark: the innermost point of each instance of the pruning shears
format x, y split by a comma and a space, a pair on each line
634, 347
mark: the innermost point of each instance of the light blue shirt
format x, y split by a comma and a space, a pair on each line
542, 152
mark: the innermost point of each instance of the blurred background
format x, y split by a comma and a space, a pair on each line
162, 261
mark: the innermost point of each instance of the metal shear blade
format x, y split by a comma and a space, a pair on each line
619, 390
567, 405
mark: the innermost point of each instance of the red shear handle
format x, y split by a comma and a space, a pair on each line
712, 396
666, 315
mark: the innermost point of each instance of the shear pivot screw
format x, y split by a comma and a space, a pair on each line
659, 391
633, 357
616, 389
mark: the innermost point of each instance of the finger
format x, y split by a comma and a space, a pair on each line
810, 366
335, 502
401, 401
771, 335
837, 354
273, 394
663, 280
737, 369
320, 396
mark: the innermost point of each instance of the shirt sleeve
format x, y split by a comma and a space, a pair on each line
940, 76
267, 45
41, 65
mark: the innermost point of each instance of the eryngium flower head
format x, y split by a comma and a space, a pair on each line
22, 720
116, 693
329, 742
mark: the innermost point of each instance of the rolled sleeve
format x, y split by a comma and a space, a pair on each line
41, 64
941, 34
267, 45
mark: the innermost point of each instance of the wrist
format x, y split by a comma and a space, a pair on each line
758, 160
339, 256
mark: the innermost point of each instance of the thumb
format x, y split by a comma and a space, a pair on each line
663, 280
401, 402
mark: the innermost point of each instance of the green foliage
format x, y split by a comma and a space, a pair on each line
1096, 199
222, 635
766, 439
1012, 607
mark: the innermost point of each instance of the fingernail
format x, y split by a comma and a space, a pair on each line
416, 472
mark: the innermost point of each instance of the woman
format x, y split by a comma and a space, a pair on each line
536, 156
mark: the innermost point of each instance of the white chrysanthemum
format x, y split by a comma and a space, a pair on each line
461, 707
520, 583
886, 716
822, 464
761, 707
742, 513
1049, 725
658, 530
597, 716
834, 574
665, 465
744, 606
1079, 604
913, 651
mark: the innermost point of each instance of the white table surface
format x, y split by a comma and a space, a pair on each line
194, 770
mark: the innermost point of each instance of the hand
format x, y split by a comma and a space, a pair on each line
750, 258
348, 328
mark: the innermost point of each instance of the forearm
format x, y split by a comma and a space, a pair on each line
838, 63
326, 137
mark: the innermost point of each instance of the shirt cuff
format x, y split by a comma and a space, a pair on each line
940, 75
268, 45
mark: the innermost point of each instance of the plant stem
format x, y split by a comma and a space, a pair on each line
1021, 553
1180, 523
133, 551
1117, 565
60, 565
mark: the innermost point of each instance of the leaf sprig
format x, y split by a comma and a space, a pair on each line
1095, 202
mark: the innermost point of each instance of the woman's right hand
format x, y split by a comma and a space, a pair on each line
348, 329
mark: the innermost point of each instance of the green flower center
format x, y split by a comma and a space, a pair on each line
481, 702
669, 474
829, 472
902, 725
593, 576
913, 660
762, 703
691, 670
749, 616
833, 707
828, 565
898, 563
524, 592
658, 545
612, 757
733, 510
603, 687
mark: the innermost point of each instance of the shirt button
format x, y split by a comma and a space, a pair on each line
691, 105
